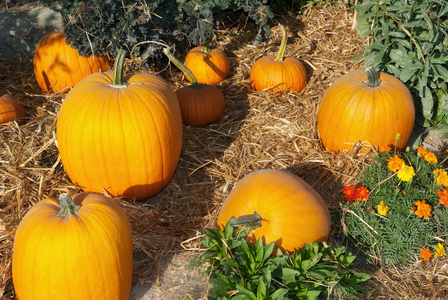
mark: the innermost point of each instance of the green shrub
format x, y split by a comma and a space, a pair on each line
409, 39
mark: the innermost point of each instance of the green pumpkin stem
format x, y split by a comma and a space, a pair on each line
253, 220
281, 51
206, 47
182, 67
118, 68
67, 205
373, 80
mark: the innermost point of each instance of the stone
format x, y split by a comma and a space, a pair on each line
22, 27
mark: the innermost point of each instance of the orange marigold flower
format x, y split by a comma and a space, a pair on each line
361, 193
443, 193
383, 149
425, 254
427, 155
349, 192
441, 177
422, 150
423, 210
395, 163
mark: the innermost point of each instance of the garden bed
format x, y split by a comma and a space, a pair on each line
259, 130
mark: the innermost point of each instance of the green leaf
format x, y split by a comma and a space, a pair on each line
279, 294
246, 293
261, 290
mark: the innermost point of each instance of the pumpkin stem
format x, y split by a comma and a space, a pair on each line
206, 47
281, 51
253, 220
118, 69
182, 67
68, 206
373, 80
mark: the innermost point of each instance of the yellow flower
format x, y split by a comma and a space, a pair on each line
406, 173
440, 250
441, 177
395, 163
382, 209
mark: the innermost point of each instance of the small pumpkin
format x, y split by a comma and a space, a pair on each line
278, 73
120, 134
11, 109
209, 65
78, 248
200, 104
58, 66
367, 108
280, 206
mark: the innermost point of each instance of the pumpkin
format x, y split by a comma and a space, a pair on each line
209, 65
278, 73
11, 109
78, 248
58, 66
200, 104
120, 135
285, 209
365, 108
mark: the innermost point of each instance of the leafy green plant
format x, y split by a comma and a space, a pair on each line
100, 26
402, 210
242, 270
409, 39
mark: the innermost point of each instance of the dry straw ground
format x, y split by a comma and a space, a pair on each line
259, 130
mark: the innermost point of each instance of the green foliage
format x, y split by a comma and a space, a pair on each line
241, 270
105, 26
409, 39
399, 235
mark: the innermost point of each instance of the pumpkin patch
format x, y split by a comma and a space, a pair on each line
164, 164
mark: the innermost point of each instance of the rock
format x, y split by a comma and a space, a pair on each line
22, 27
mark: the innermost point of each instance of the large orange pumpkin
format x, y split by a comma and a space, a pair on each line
278, 73
209, 65
11, 109
366, 107
58, 66
120, 134
200, 104
73, 249
292, 212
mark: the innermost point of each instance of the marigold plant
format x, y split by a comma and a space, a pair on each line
405, 214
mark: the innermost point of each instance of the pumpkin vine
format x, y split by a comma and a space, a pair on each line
281, 51
182, 67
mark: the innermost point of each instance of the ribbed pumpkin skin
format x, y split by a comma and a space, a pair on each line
211, 68
293, 212
58, 66
350, 111
200, 107
126, 141
287, 75
11, 109
87, 255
